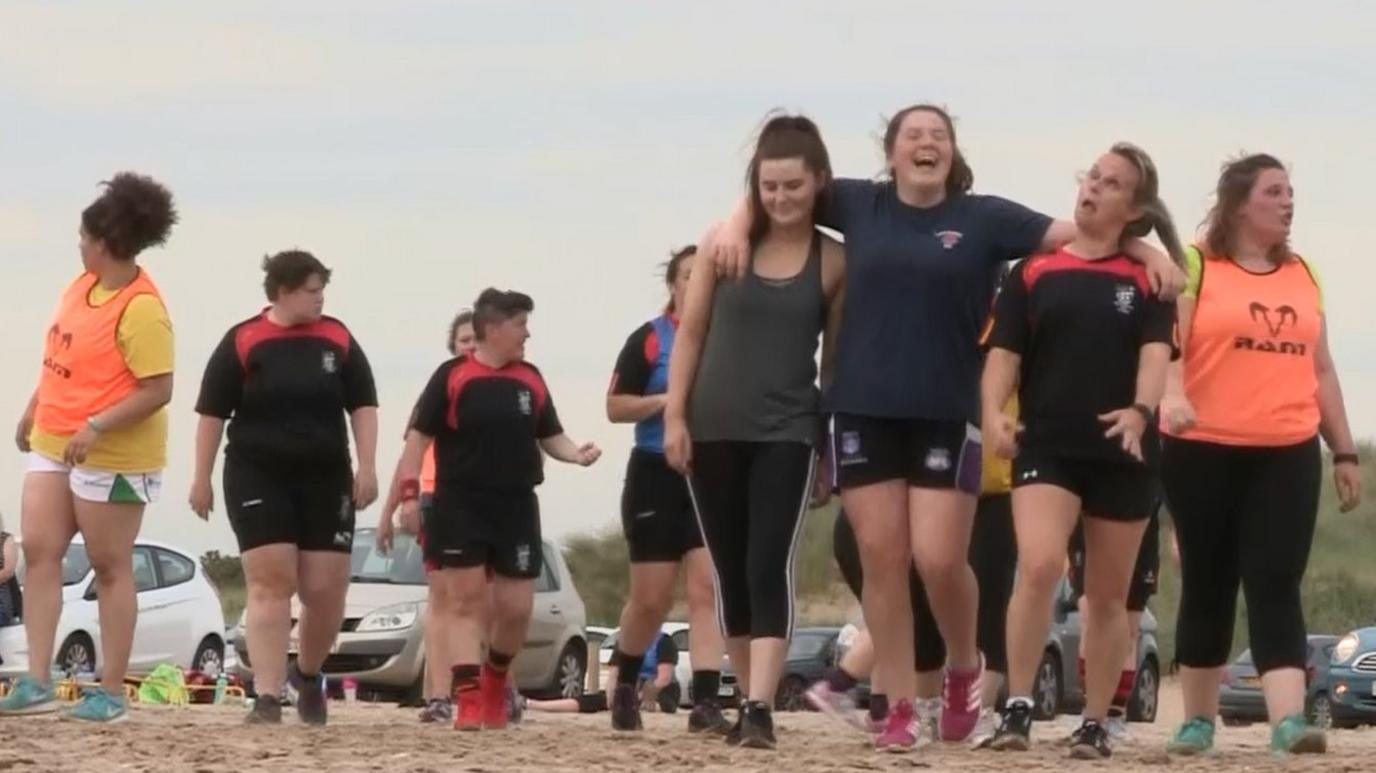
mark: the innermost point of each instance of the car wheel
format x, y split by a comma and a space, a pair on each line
1142, 705
569, 671
1321, 711
77, 655
210, 657
1047, 700
789, 696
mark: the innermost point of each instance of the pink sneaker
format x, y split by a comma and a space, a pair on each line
900, 730
837, 705
960, 703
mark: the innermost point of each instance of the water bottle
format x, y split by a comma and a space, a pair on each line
350, 689
220, 684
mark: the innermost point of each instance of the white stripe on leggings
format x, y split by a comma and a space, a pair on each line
706, 543
793, 546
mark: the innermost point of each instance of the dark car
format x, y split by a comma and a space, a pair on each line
1240, 700
1058, 689
1352, 679
811, 652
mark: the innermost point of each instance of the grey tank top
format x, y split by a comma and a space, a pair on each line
757, 378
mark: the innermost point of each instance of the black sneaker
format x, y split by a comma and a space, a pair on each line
757, 727
1015, 731
267, 710
733, 736
437, 711
311, 705
1090, 742
707, 718
625, 708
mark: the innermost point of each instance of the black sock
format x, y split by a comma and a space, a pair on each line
839, 681
465, 677
499, 661
879, 706
706, 684
627, 667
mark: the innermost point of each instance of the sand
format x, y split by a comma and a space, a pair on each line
376, 737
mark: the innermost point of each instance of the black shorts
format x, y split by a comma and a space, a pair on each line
309, 507
498, 530
926, 454
1117, 491
656, 510
1144, 574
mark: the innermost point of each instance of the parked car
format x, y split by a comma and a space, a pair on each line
1240, 701
1058, 690
180, 619
811, 652
381, 643
1352, 679
683, 670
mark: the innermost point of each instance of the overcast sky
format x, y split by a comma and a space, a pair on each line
425, 150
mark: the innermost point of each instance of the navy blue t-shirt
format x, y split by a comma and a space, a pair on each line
918, 290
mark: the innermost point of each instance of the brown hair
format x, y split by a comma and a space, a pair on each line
671, 267
962, 177
289, 270
1235, 182
464, 317
133, 213
1147, 197
786, 136
494, 307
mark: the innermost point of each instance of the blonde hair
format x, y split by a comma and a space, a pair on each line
1147, 197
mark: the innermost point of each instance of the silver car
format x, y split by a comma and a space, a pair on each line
382, 644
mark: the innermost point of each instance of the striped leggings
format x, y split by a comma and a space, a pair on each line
750, 499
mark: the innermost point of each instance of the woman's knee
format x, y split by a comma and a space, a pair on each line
272, 587
1040, 574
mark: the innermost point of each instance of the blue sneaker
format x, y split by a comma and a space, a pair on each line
29, 697
97, 706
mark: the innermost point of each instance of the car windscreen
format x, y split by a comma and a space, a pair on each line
402, 565
75, 564
805, 645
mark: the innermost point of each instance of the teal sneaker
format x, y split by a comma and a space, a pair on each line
1294, 735
29, 697
1193, 738
97, 706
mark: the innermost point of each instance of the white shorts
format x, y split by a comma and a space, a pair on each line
103, 485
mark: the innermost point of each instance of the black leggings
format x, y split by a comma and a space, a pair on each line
1248, 514
993, 557
750, 499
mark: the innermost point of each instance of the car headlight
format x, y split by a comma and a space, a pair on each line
393, 618
1346, 648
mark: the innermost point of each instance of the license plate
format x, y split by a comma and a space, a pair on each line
294, 646
727, 691
1250, 681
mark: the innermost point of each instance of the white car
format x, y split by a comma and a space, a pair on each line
683, 670
180, 620
381, 642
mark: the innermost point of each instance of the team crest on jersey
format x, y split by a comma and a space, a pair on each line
949, 239
523, 558
850, 449
523, 401
938, 460
327, 362
1123, 298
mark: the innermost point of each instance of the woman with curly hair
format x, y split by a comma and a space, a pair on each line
95, 432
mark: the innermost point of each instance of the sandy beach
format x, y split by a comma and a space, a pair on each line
381, 737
